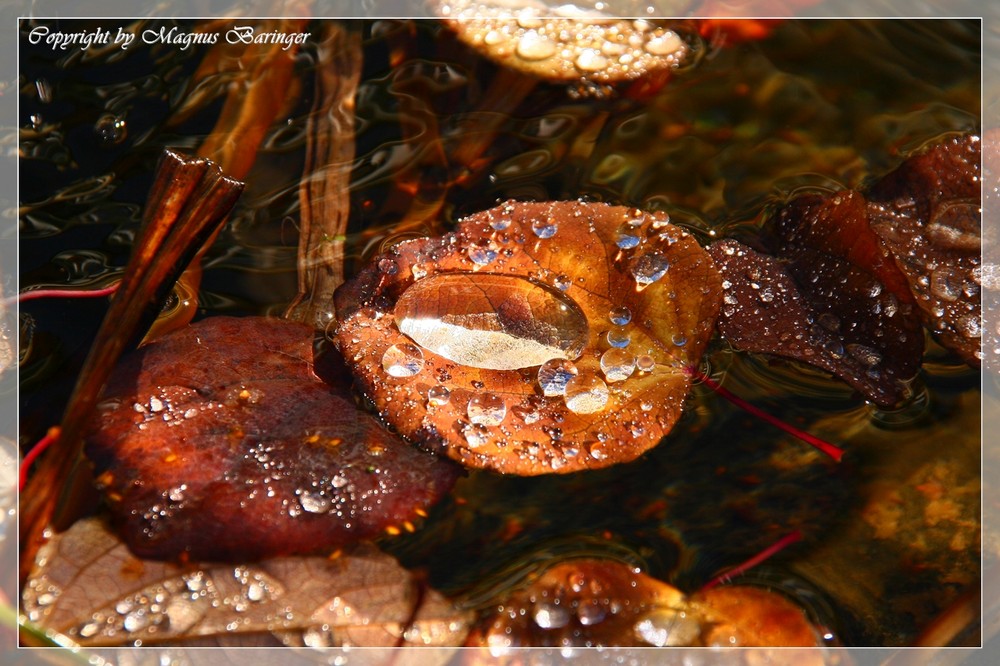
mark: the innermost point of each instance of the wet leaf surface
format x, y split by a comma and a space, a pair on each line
618, 300
595, 602
89, 587
928, 212
221, 441
819, 309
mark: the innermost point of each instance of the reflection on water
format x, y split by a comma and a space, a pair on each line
891, 535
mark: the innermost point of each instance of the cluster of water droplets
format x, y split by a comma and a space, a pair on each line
568, 41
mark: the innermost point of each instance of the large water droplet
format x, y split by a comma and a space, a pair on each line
550, 616
495, 322
620, 315
617, 364
403, 360
533, 46
545, 228
586, 394
649, 268
487, 409
553, 375
438, 396
627, 236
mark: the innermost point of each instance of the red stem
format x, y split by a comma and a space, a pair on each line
45, 442
739, 569
64, 293
829, 449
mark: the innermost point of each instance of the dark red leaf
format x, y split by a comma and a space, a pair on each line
220, 441
765, 310
928, 212
460, 341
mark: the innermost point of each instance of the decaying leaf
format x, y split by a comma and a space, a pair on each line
87, 586
821, 310
537, 338
594, 602
221, 441
928, 212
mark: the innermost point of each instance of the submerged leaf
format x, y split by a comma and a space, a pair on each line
87, 586
605, 603
221, 442
537, 338
928, 212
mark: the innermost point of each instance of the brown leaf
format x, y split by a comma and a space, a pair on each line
819, 308
219, 441
928, 212
601, 602
453, 338
87, 586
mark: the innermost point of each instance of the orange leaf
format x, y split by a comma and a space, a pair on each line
537, 338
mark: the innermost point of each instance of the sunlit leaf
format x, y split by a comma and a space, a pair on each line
88, 586
928, 212
743, 616
537, 338
221, 442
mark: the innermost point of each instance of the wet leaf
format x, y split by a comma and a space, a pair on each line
87, 586
595, 602
220, 441
831, 297
448, 335
928, 212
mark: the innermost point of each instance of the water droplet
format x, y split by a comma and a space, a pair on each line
495, 322
617, 364
482, 254
403, 360
438, 396
586, 394
645, 363
970, 326
545, 228
314, 501
591, 613
488, 409
665, 44
627, 237
865, 354
553, 375
562, 282
620, 315
500, 223
388, 266
550, 616
533, 46
476, 434
946, 283
590, 60
649, 268
829, 321
619, 337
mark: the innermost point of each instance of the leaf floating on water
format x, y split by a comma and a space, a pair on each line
605, 603
831, 297
89, 587
221, 442
546, 336
928, 212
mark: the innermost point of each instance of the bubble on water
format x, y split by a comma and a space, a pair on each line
438, 396
649, 268
586, 394
617, 364
554, 374
111, 129
403, 360
620, 315
495, 322
487, 409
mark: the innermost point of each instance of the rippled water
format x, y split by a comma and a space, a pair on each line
891, 535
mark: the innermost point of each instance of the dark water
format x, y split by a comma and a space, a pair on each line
891, 535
